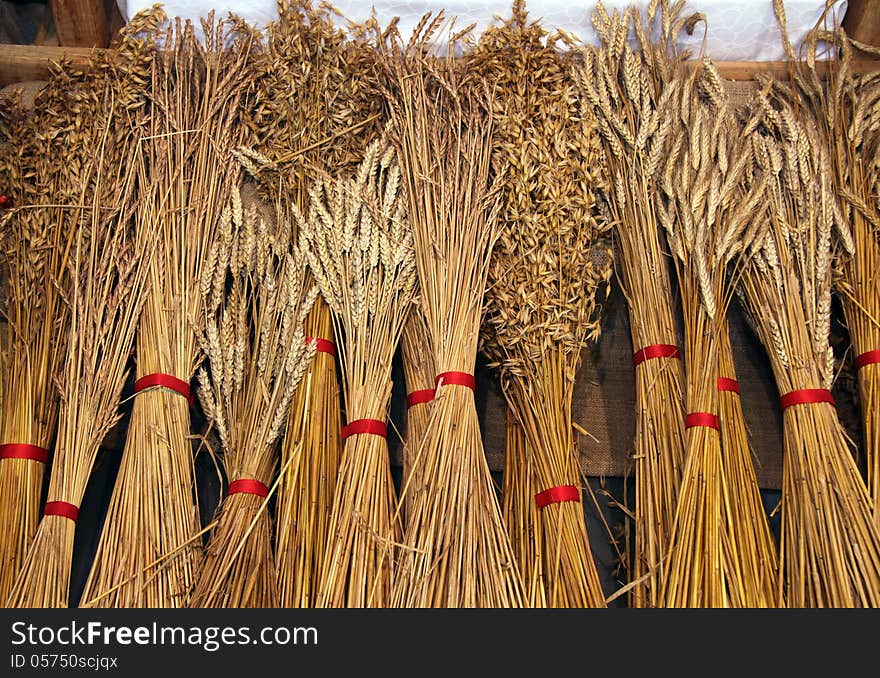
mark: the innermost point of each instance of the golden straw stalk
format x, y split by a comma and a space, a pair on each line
830, 546
622, 88
845, 108
552, 260
256, 296
457, 552
315, 110
194, 125
108, 269
360, 250
706, 205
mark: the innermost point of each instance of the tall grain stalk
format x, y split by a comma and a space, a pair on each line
255, 298
845, 108
360, 250
634, 141
830, 547
197, 94
552, 260
40, 180
721, 553
456, 551
108, 272
315, 110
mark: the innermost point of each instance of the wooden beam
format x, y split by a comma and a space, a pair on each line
747, 70
20, 63
862, 21
80, 23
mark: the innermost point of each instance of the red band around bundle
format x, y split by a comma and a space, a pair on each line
323, 345
61, 508
24, 451
166, 381
656, 351
806, 396
728, 384
247, 486
358, 426
868, 358
704, 419
456, 379
557, 494
419, 397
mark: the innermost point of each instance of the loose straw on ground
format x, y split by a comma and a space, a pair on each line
845, 107
315, 110
830, 547
197, 94
457, 552
255, 297
721, 553
552, 260
360, 250
108, 269
634, 141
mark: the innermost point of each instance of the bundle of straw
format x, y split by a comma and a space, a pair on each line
721, 553
634, 140
418, 373
255, 298
40, 178
108, 271
457, 551
360, 250
316, 108
520, 513
845, 108
552, 259
830, 548
145, 557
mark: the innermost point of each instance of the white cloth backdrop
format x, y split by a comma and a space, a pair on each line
738, 30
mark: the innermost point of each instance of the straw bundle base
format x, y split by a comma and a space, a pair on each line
21, 483
239, 568
44, 579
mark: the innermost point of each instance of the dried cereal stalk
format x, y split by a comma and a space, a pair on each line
315, 110
255, 298
146, 556
360, 250
622, 88
457, 552
845, 108
830, 547
721, 552
552, 260
107, 270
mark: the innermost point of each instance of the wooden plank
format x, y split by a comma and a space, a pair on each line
81, 23
862, 21
747, 70
20, 63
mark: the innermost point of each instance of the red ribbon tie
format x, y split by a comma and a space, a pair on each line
61, 508
704, 419
323, 345
419, 397
456, 379
556, 495
806, 396
24, 451
655, 351
166, 381
728, 384
247, 486
359, 426
867, 358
